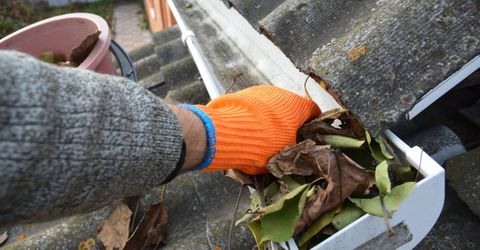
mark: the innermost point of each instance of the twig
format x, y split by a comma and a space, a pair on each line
234, 217
233, 81
162, 196
305, 87
162, 193
134, 216
419, 167
385, 217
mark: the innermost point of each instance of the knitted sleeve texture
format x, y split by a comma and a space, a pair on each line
72, 140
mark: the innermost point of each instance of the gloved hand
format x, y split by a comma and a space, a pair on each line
247, 128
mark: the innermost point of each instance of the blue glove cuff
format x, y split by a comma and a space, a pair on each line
210, 130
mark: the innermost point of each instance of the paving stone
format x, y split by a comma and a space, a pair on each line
127, 30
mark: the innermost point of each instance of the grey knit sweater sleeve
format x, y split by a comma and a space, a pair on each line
72, 140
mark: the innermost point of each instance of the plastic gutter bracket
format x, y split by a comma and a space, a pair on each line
214, 88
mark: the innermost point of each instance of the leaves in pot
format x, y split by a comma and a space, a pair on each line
392, 200
47, 57
80, 53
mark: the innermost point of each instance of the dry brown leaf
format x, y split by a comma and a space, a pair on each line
238, 176
83, 50
331, 114
114, 232
343, 178
3, 237
351, 127
150, 231
288, 161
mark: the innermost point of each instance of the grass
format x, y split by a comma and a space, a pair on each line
18, 14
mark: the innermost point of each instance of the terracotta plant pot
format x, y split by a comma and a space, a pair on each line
61, 34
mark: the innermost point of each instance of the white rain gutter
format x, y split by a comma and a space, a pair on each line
445, 86
214, 88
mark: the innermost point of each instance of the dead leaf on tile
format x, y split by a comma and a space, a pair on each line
21, 237
238, 176
3, 237
114, 232
150, 231
81, 52
355, 53
88, 244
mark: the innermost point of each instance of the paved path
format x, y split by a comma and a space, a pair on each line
127, 30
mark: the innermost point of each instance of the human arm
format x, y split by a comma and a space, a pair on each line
72, 140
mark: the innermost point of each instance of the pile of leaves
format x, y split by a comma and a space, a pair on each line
334, 175
77, 56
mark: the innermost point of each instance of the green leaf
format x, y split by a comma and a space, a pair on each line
338, 141
255, 202
291, 183
317, 226
255, 228
47, 57
246, 217
59, 57
272, 192
392, 200
279, 204
349, 214
279, 219
378, 148
310, 191
382, 179
383, 148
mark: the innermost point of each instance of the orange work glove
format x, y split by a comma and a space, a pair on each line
252, 125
